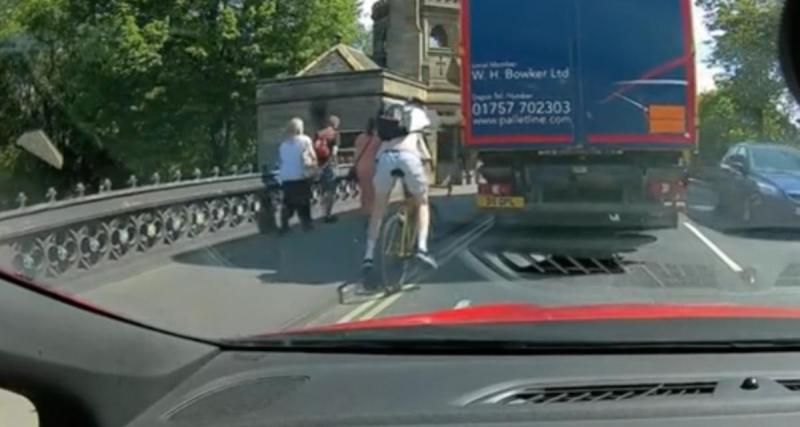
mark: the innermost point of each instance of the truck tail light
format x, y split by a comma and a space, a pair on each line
659, 188
494, 189
664, 191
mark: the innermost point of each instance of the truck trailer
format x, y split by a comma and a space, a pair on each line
582, 112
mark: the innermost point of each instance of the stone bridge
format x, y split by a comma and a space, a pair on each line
90, 232
198, 254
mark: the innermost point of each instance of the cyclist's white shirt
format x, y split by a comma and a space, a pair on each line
417, 119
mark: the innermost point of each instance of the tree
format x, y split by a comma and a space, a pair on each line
142, 86
751, 101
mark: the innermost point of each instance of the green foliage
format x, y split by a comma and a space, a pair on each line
139, 86
750, 101
362, 39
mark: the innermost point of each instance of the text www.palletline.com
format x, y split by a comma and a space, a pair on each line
521, 120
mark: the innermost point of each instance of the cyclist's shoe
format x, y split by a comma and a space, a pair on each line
427, 260
368, 287
366, 269
331, 219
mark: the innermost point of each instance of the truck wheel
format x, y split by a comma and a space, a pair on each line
674, 220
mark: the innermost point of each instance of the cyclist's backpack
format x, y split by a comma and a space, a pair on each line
391, 123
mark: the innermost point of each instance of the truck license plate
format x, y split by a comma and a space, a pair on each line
498, 202
580, 170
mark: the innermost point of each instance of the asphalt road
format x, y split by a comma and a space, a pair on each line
264, 284
690, 264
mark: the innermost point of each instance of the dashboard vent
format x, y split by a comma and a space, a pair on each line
791, 385
601, 393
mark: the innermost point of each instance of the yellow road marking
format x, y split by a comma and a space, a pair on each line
373, 308
384, 304
358, 311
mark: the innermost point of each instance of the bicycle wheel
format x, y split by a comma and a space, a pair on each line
393, 257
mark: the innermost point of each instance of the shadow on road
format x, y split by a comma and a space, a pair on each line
331, 253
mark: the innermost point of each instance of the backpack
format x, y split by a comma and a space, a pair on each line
321, 147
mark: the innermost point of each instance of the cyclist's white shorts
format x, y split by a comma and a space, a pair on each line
410, 164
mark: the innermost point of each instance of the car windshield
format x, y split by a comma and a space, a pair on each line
776, 159
228, 169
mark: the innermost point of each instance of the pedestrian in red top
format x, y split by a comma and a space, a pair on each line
367, 145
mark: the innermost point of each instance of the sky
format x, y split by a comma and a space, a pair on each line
705, 75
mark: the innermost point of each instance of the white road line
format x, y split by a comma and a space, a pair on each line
386, 303
358, 311
714, 248
464, 303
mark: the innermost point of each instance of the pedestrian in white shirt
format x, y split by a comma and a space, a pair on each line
297, 162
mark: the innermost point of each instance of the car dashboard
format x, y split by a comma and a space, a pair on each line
81, 366
256, 389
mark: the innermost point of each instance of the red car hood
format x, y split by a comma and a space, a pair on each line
530, 313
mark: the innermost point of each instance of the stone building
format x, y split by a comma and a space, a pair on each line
414, 46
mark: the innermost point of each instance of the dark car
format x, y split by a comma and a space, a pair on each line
756, 185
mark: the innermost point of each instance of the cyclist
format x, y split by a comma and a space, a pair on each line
402, 154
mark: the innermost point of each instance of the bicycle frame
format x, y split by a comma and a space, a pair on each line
408, 232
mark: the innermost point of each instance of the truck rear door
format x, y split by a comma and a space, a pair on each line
637, 72
551, 74
520, 82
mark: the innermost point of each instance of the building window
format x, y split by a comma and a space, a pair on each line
379, 46
438, 37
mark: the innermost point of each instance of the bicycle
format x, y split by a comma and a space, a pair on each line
396, 249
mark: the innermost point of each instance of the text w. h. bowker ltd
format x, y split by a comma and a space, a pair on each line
518, 105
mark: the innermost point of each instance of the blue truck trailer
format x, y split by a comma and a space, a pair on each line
582, 112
